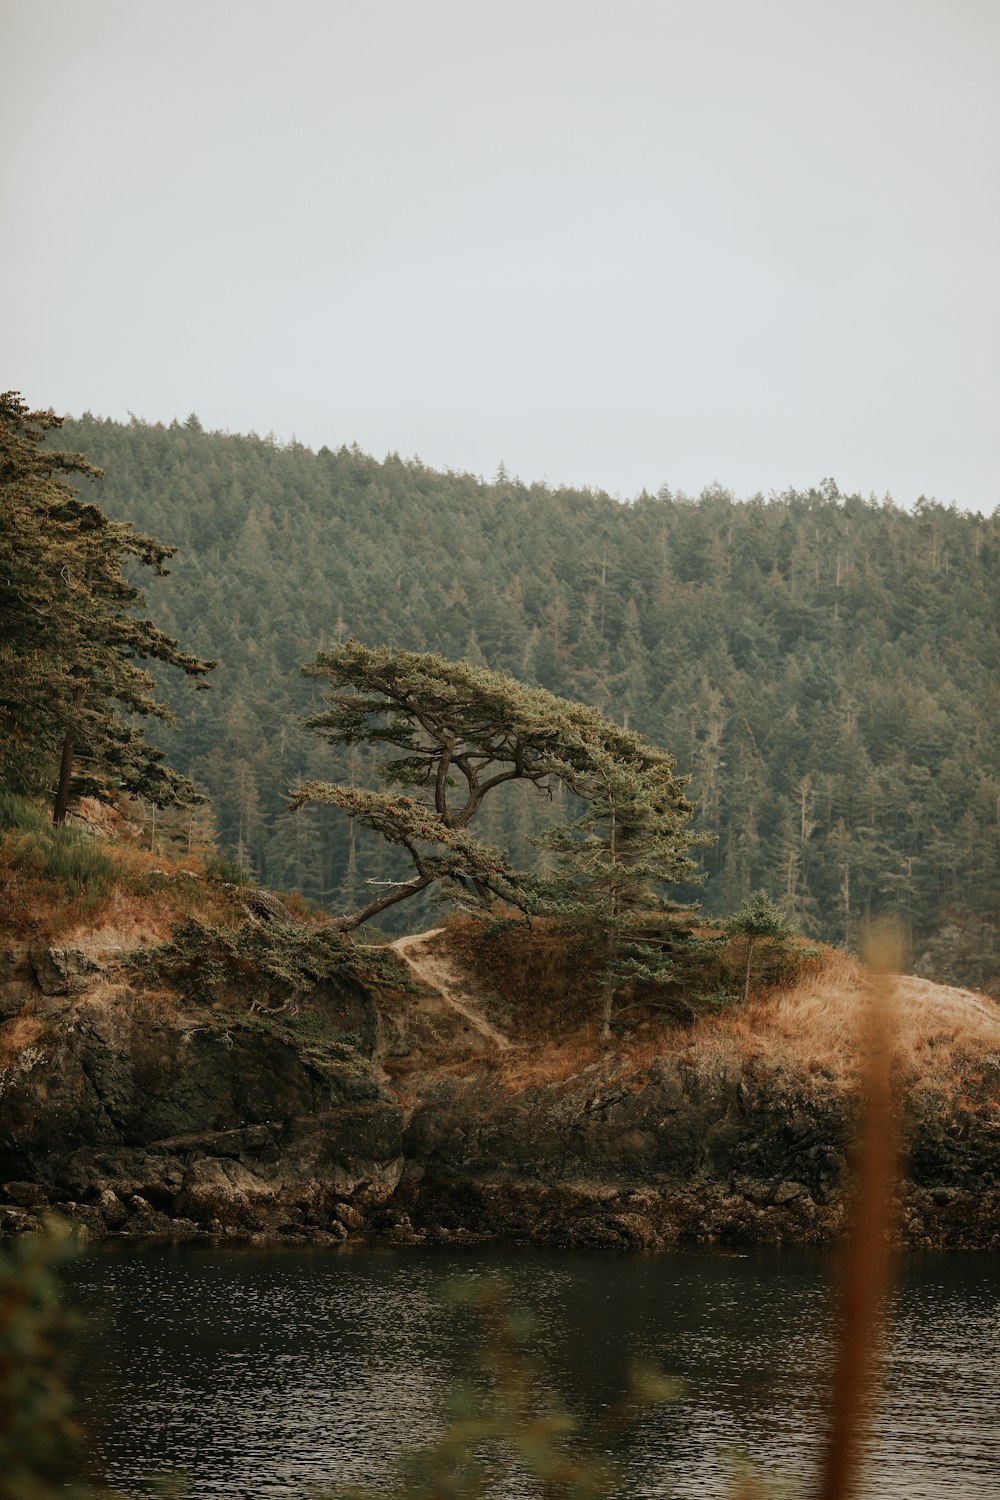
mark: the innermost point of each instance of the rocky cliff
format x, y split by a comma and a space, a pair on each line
144, 1098
135, 1110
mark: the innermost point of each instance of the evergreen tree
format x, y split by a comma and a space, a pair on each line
70, 640
757, 918
613, 862
456, 733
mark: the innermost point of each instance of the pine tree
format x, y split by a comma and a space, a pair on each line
70, 640
612, 864
456, 733
757, 918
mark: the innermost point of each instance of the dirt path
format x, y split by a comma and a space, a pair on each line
434, 970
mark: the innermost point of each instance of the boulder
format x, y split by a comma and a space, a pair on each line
218, 1188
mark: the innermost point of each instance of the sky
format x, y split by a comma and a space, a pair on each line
621, 245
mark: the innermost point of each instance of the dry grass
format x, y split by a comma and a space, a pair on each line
559, 1061
84, 890
126, 918
817, 1028
811, 1028
132, 889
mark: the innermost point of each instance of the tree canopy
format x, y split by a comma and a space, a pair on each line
70, 639
455, 733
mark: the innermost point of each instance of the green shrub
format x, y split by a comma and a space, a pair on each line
67, 856
73, 858
267, 961
307, 1031
220, 867
21, 814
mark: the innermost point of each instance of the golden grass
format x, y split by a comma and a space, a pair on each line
818, 1027
812, 1029
136, 895
136, 888
557, 1061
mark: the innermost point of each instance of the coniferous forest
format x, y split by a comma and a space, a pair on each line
825, 667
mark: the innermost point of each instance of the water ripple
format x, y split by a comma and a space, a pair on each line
266, 1372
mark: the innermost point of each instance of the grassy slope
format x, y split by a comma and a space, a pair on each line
811, 1021
74, 886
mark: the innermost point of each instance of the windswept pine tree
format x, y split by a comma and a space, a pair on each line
455, 734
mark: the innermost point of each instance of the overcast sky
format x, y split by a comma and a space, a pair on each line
621, 244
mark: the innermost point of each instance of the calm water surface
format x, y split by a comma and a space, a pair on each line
265, 1372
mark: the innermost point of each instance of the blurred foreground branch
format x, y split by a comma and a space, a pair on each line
868, 1255
508, 1421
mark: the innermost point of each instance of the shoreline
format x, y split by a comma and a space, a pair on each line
967, 1223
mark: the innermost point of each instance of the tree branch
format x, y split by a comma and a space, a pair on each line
401, 893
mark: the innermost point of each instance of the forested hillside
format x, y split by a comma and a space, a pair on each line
825, 667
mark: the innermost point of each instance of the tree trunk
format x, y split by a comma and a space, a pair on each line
61, 805
746, 984
410, 888
607, 1006
65, 776
608, 988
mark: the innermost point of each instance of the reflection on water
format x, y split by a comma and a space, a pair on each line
263, 1372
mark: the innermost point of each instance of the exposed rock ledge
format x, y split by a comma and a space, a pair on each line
132, 1115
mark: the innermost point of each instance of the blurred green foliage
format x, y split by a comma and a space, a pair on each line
40, 1443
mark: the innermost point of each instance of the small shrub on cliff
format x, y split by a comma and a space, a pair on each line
220, 867
274, 961
309, 1032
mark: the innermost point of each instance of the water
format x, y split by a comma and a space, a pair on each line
264, 1372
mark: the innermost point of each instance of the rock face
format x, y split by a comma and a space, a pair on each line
665, 1153
670, 1153
133, 1115
130, 1117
